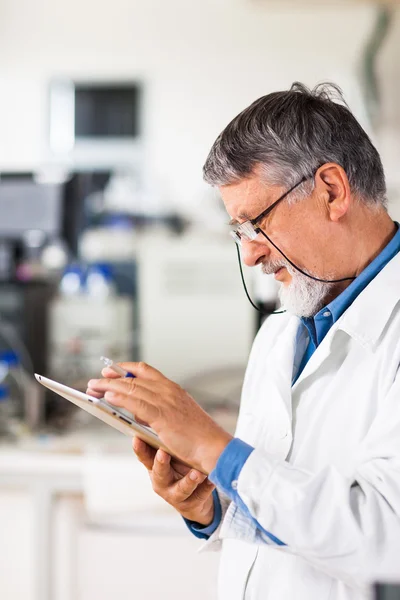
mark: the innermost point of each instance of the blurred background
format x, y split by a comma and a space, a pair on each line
111, 244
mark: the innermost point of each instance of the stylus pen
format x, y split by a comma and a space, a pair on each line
111, 364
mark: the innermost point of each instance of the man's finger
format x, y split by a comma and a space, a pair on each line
109, 373
204, 490
141, 369
179, 467
146, 455
144, 452
162, 473
128, 385
187, 485
138, 402
93, 393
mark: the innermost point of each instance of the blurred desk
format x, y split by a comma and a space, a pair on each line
54, 551
42, 469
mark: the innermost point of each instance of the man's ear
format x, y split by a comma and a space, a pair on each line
333, 187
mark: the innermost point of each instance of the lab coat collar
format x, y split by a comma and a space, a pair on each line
364, 320
368, 315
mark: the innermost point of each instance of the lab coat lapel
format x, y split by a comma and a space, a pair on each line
362, 321
321, 354
284, 352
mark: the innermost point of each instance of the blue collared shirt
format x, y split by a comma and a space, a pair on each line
232, 459
319, 325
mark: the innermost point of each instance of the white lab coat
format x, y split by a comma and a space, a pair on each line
325, 473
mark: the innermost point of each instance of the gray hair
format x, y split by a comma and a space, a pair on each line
289, 135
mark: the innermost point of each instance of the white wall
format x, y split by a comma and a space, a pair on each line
389, 128
202, 62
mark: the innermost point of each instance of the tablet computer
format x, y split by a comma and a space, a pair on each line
113, 416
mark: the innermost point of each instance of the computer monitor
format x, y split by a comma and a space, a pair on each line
26, 204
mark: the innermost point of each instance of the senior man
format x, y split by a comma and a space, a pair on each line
305, 500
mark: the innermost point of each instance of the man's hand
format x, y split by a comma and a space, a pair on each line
185, 428
187, 490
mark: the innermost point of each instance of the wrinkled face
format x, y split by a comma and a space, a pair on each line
302, 231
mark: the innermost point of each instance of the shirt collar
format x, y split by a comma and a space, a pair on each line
368, 315
365, 280
343, 301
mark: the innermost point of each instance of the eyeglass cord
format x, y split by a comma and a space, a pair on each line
303, 272
278, 312
263, 312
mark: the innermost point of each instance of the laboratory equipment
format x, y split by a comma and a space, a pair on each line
88, 317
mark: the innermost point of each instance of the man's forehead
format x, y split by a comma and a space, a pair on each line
244, 198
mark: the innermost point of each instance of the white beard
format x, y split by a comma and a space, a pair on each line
303, 297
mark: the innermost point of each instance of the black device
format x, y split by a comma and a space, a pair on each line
30, 209
24, 319
28, 205
387, 591
31, 216
106, 110
94, 119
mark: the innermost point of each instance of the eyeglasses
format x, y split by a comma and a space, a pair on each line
248, 231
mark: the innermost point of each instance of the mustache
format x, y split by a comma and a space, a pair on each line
273, 266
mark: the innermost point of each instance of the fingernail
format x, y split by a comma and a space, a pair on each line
193, 476
163, 458
110, 396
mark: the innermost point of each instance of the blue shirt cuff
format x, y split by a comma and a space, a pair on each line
205, 532
226, 474
230, 463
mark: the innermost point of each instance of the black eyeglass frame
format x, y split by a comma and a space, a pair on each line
266, 212
239, 229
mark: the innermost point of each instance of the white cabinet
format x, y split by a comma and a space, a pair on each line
49, 551
140, 566
16, 545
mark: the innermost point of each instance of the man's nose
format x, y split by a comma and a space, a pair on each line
254, 253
